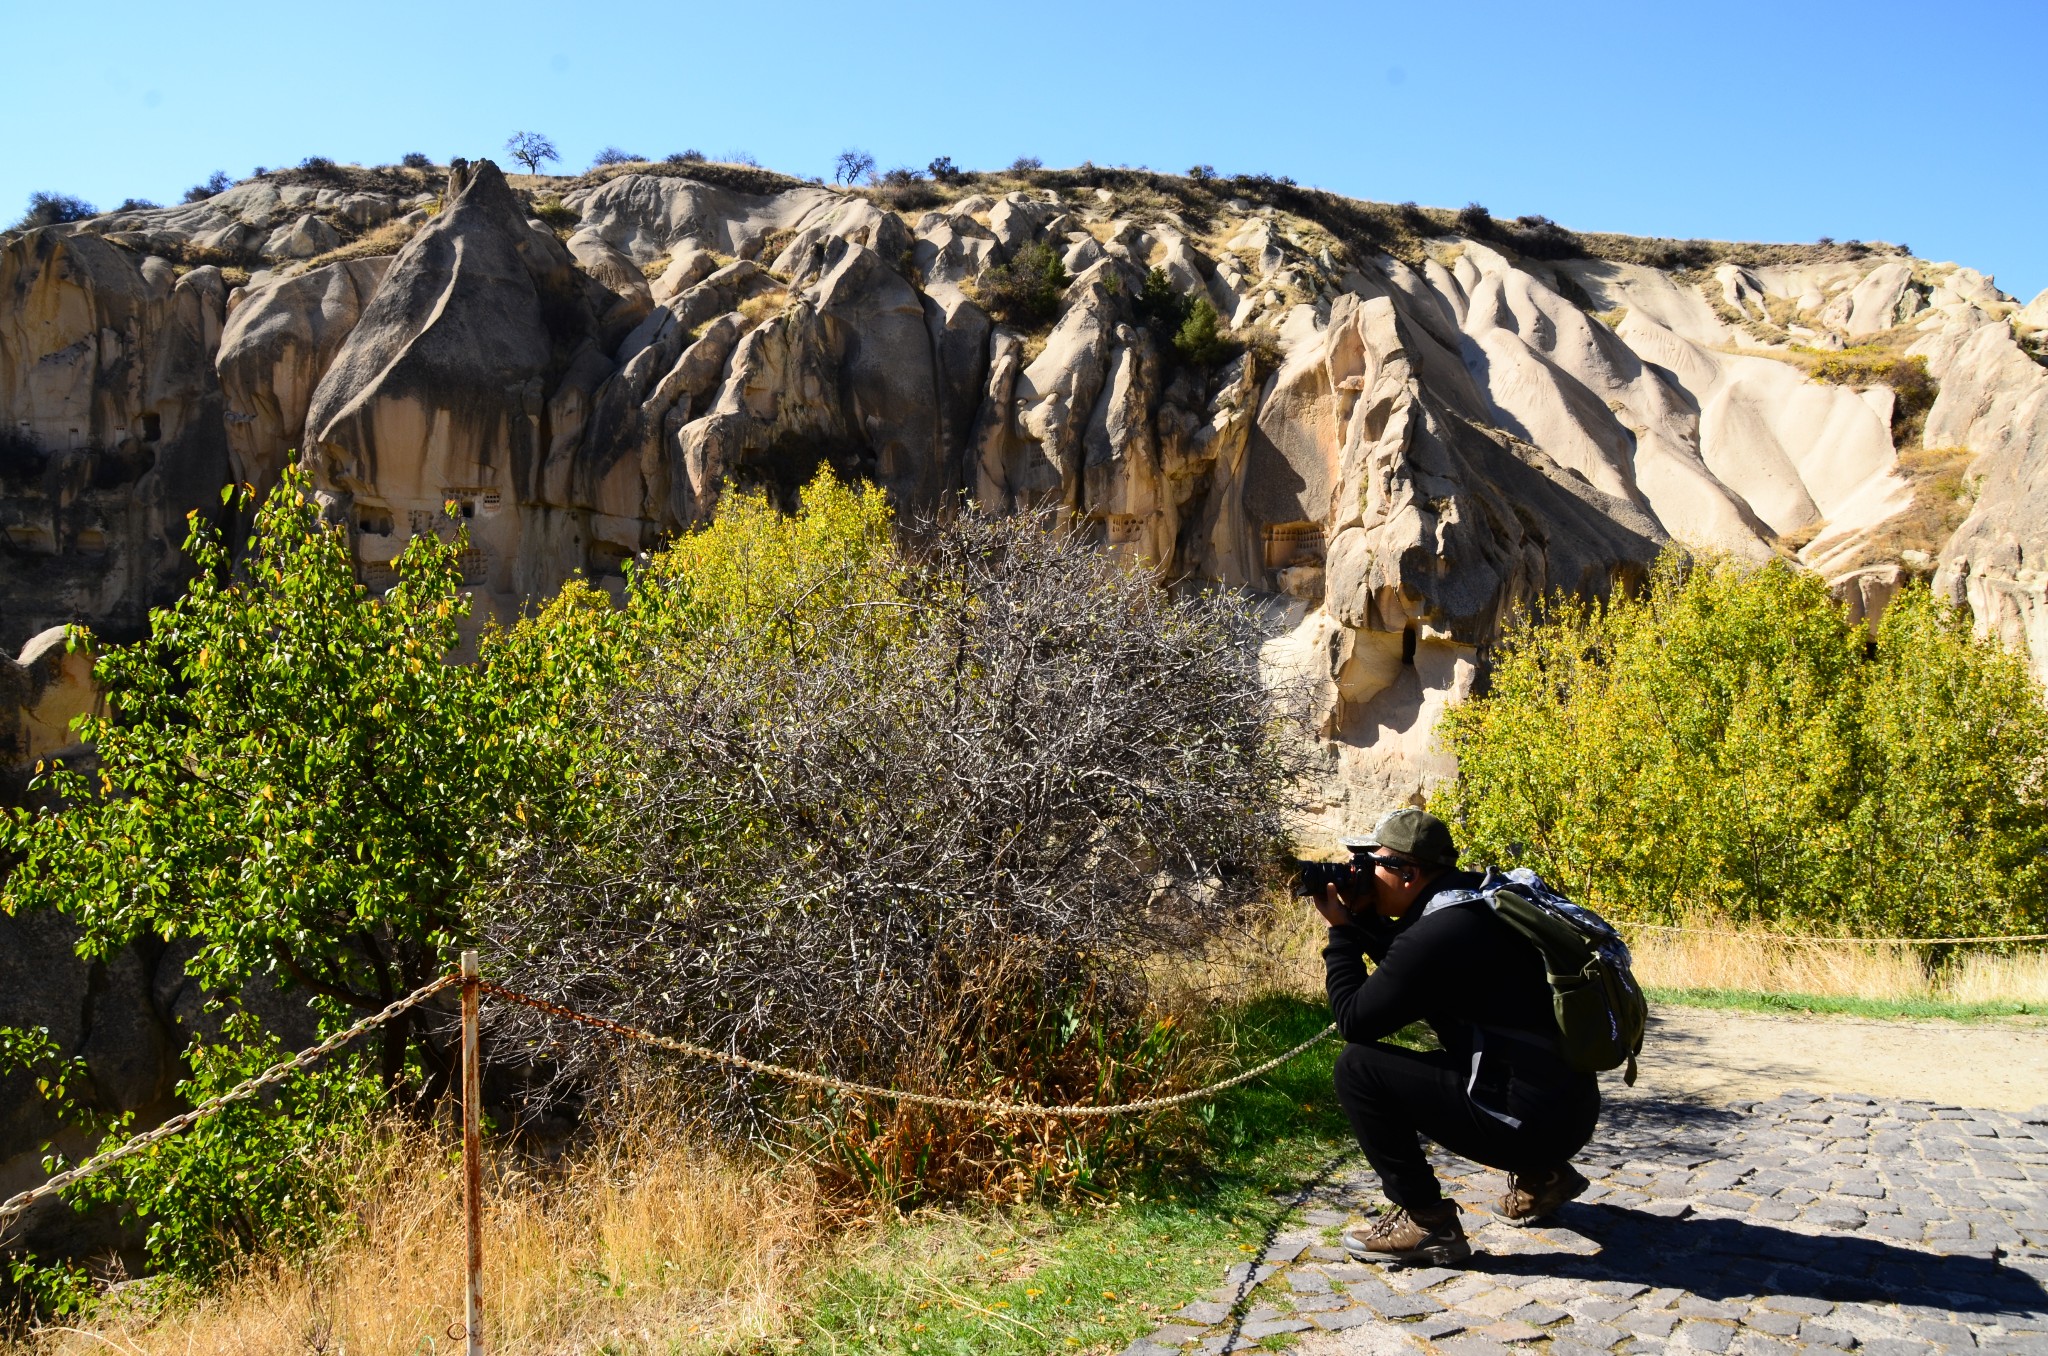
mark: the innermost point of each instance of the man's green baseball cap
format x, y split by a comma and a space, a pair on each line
1415, 833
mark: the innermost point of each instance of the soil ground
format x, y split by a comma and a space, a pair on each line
1720, 1056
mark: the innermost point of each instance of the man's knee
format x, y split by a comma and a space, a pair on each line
1362, 1067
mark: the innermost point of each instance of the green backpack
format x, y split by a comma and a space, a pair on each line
1601, 1011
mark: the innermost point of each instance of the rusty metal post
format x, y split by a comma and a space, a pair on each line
472, 1158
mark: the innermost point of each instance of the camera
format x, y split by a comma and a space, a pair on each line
1311, 878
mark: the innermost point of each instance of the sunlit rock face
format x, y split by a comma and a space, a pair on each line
1409, 450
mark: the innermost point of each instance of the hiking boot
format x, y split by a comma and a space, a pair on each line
1432, 1234
1537, 1195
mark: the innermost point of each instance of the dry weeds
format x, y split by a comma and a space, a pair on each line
1768, 962
645, 1243
1282, 952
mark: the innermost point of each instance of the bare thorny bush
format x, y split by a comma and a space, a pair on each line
919, 827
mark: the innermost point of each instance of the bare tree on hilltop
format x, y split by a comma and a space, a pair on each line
531, 149
852, 166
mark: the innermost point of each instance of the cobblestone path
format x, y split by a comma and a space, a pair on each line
1754, 1229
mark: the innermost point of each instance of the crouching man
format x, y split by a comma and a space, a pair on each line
1497, 1093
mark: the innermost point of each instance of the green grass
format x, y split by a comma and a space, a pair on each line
1031, 1280
1755, 1000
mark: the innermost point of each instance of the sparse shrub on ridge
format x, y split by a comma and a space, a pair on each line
418, 160
216, 182
612, 155
1732, 744
905, 190
54, 209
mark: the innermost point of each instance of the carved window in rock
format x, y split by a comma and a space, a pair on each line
375, 520
475, 564
36, 538
1293, 544
608, 558
1125, 529
379, 576
469, 500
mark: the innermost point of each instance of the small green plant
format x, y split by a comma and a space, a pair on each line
555, 213
1189, 329
1200, 340
1025, 292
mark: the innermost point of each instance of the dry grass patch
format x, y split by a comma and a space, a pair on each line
389, 238
644, 1243
765, 306
1755, 960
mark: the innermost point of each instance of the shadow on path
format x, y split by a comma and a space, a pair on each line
1728, 1258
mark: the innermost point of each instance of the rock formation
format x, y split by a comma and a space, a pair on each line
1427, 430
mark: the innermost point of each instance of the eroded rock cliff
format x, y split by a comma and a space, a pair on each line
1425, 423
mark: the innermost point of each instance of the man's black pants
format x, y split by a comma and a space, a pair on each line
1393, 1096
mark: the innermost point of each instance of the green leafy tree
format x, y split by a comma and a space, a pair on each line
292, 774
1729, 743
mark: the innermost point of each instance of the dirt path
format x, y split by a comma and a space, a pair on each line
1722, 1056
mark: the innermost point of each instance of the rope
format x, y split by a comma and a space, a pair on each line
1843, 941
16, 1204
992, 1107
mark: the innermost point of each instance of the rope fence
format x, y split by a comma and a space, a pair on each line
991, 1107
474, 987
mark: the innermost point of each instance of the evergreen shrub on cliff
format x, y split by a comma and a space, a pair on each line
1025, 292
1732, 743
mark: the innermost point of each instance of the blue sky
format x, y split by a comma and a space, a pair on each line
1914, 123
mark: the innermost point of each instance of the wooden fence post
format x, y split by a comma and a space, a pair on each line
472, 1158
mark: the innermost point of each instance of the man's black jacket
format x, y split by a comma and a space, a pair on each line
1457, 969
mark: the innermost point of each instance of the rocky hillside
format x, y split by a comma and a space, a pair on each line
1405, 423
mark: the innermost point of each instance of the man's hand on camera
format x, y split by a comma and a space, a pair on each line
1341, 910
